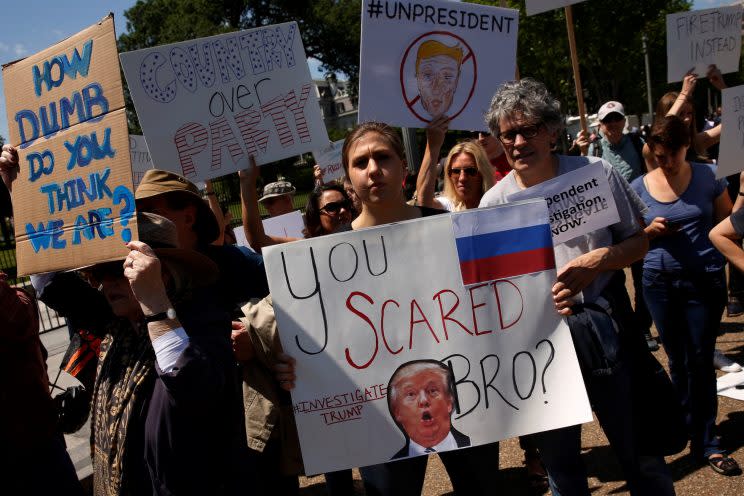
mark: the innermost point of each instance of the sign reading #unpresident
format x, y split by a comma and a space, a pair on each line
205, 104
329, 160
540, 6
420, 59
379, 317
73, 200
699, 38
731, 150
579, 202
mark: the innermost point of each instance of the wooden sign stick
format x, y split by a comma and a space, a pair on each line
575, 64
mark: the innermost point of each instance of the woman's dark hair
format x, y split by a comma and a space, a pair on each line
313, 226
670, 132
388, 134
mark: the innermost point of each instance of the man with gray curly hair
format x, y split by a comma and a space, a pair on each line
527, 120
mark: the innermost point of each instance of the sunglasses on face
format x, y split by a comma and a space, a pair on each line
526, 132
335, 207
469, 171
99, 273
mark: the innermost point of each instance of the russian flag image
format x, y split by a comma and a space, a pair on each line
502, 242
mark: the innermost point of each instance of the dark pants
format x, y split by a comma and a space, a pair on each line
687, 309
340, 483
471, 471
269, 480
47, 470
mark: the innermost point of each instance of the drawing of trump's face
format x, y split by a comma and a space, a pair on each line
421, 402
437, 75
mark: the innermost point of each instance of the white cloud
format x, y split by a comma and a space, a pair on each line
20, 49
4, 47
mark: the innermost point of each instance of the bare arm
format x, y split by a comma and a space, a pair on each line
726, 240
722, 206
427, 176
9, 165
688, 86
216, 209
708, 138
581, 271
715, 77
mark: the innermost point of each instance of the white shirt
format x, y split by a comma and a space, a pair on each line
448, 443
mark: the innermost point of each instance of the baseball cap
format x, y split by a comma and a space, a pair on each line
610, 107
277, 188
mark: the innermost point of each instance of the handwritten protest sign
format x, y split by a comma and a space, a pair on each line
140, 157
699, 38
579, 202
288, 225
205, 104
731, 150
540, 6
73, 199
329, 160
421, 59
355, 307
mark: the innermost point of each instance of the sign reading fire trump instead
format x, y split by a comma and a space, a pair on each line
580, 201
699, 38
204, 104
394, 357
73, 199
422, 59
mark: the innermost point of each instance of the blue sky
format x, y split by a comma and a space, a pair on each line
35, 24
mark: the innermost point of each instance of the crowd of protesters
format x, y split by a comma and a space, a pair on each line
188, 393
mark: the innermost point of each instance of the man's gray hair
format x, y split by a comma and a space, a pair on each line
530, 98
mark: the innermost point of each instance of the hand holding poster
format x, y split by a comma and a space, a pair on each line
421, 59
289, 225
73, 199
329, 160
540, 6
365, 316
731, 151
700, 38
579, 202
205, 104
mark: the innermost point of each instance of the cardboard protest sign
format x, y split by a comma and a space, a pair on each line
329, 160
731, 149
699, 38
73, 199
288, 225
419, 60
364, 312
539, 6
579, 201
140, 157
205, 104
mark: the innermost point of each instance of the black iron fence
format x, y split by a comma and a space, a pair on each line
49, 320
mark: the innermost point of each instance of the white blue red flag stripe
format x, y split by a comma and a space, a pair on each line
503, 242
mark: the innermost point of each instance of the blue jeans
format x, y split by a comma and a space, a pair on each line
471, 471
687, 309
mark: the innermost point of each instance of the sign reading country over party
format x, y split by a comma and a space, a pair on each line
731, 151
579, 201
422, 59
73, 199
205, 104
699, 38
540, 6
379, 316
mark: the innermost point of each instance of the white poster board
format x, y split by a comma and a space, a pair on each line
288, 225
699, 38
205, 104
353, 307
329, 160
419, 60
731, 150
579, 201
141, 161
731, 385
540, 6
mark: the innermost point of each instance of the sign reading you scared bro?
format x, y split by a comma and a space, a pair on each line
73, 200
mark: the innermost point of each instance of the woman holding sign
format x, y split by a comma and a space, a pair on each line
683, 278
527, 120
373, 158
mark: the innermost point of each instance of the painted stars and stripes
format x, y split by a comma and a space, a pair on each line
503, 242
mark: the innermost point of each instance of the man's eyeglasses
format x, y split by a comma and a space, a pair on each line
526, 132
335, 207
469, 171
99, 273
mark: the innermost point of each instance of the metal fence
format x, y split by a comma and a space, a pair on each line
49, 320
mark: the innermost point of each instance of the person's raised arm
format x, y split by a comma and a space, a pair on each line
688, 86
214, 206
252, 225
709, 137
716, 78
582, 270
427, 176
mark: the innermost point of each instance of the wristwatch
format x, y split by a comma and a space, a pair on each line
169, 314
